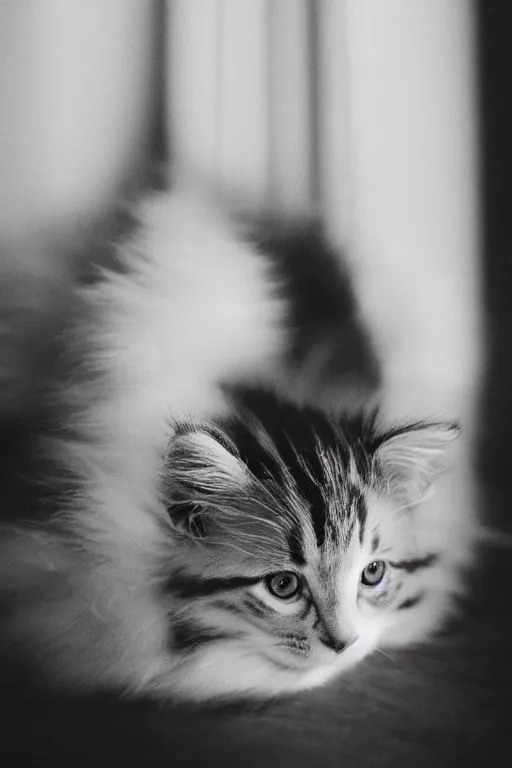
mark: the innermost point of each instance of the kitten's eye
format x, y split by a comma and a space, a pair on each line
284, 585
373, 573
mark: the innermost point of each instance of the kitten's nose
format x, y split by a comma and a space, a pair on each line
336, 643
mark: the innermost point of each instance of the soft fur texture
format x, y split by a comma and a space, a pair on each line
279, 492
191, 310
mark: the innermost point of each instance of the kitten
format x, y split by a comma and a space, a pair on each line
216, 541
302, 546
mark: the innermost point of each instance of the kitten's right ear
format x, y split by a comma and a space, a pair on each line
411, 459
201, 467
205, 461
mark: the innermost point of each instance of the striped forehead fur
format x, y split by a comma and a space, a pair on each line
287, 468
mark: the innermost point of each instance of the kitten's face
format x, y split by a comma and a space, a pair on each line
299, 549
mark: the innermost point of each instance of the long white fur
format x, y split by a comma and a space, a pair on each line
196, 309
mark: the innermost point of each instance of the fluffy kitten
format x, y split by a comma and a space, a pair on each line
302, 548
217, 542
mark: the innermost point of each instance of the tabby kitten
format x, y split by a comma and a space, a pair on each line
219, 540
301, 546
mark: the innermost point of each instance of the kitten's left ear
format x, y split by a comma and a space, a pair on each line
412, 459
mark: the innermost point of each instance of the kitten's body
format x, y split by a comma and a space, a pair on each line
192, 310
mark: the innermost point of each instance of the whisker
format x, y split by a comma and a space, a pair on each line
230, 545
386, 655
407, 506
495, 538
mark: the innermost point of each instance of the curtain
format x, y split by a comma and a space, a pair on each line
76, 92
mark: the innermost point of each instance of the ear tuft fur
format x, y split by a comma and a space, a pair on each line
413, 458
200, 465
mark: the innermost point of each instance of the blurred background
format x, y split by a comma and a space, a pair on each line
296, 104
364, 110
